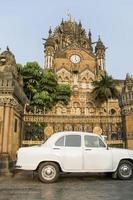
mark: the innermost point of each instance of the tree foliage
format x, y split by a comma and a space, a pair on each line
34, 131
105, 89
42, 88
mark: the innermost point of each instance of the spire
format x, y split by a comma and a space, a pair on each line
99, 39
80, 24
89, 34
127, 76
7, 48
50, 31
69, 16
62, 22
99, 45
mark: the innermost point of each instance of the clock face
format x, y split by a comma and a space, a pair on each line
75, 59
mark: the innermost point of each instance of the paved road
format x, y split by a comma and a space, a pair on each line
69, 187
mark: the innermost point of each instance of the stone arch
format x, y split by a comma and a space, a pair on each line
91, 79
90, 108
76, 104
58, 110
78, 127
66, 79
77, 109
84, 80
90, 104
68, 127
58, 128
112, 111
87, 128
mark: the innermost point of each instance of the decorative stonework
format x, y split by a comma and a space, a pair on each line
7, 62
12, 101
126, 104
67, 43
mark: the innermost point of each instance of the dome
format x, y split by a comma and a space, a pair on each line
67, 33
99, 45
70, 28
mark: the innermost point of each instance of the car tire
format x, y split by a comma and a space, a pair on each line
125, 170
48, 172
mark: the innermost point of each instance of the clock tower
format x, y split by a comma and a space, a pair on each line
69, 50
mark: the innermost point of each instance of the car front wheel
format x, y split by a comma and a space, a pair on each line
125, 170
48, 172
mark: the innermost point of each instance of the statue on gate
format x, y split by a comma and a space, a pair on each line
8, 62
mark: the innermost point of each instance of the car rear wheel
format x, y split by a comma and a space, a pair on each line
125, 170
48, 172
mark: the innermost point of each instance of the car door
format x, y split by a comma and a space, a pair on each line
72, 153
97, 157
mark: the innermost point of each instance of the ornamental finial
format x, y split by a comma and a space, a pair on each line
69, 16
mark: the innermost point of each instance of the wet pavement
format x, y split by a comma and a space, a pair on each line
69, 187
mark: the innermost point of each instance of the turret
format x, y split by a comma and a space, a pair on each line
100, 55
90, 41
49, 50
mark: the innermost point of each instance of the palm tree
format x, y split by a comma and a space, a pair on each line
105, 89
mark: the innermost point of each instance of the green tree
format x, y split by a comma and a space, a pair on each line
49, 81
34, 131
63, 93
105, 89
42, 88
31, 74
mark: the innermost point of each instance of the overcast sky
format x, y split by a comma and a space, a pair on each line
23, 24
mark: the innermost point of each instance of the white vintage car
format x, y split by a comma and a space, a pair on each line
75, 152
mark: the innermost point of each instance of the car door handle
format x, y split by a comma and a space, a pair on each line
88, 149
56, 148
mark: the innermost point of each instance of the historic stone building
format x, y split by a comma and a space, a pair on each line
127, 109
78, 61
12, 101
69, 50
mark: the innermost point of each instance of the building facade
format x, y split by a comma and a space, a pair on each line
78, 61
127, 109
12, 101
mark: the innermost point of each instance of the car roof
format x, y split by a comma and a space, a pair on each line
63, 133
74, 132
57, 135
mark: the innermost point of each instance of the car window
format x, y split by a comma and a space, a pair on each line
101, 144
73, 141
60, 142
91, 141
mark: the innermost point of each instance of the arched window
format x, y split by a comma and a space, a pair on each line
90, 104
112, 111
66, 79
59, 110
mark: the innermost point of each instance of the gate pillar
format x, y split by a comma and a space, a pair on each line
12, 101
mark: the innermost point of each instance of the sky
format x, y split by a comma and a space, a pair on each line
23, 24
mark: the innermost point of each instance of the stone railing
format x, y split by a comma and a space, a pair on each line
71, 118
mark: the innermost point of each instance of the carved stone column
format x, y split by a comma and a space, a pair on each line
12, 102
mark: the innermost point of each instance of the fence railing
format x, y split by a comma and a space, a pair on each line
37, 142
